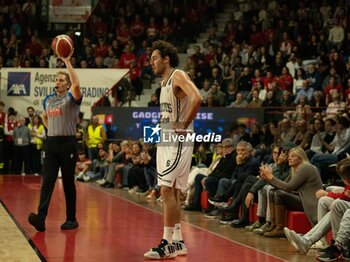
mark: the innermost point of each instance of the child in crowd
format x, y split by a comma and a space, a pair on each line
82, 166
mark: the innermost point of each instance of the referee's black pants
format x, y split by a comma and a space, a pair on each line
59, 152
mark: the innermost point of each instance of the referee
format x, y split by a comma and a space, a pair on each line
60, 115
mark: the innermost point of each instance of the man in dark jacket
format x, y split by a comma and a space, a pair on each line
247, 166
224, 169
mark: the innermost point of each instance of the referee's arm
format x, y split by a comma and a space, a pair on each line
44, 119
75, 85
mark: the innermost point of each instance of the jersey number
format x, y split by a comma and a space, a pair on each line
168, 162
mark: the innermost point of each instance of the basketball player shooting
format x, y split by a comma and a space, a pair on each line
179, 104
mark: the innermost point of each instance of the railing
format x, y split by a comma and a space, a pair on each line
102, 101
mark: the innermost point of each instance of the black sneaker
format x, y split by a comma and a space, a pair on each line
240, 223
227, 220
346, 252
37, 222
217, 199
180, 247
213, 214
108, 185
225, 207
346, 256
333, 254
325, 250
192, 208
165, 250
69, 225
256, 224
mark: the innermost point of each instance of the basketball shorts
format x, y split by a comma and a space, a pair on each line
173, 164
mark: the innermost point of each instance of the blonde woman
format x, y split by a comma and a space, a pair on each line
297, 192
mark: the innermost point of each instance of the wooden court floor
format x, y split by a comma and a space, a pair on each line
118, 226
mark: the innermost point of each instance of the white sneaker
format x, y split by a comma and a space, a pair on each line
180, 247
133, 190
36, 174
145, 193
302, 242
318, 245
165, 250
23, 174
86, 178
218, 204
101, 181
287, 233
80, 176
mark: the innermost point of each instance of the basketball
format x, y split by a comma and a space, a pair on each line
62, 45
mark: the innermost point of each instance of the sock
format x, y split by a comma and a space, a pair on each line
168, 234
177, 232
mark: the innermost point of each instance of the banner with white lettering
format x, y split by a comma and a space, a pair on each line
22, 87
130, 122
69, 11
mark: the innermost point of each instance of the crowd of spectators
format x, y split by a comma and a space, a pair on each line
270, 54
21, 142
291, 58
118, 34
278, 166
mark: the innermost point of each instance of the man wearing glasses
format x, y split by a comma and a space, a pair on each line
210, 183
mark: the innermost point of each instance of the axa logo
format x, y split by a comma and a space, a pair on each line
18, 84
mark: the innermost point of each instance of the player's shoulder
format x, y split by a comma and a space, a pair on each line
179, 73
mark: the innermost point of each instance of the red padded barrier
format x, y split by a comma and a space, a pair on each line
204, 200
298, 222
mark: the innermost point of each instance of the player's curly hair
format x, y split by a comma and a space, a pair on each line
167, 49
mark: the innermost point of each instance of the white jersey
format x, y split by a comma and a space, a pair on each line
173, 157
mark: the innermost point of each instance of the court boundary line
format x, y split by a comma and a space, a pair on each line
30, 241
188, 223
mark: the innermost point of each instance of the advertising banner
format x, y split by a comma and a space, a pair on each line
22, 87
69, 11
134, 122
